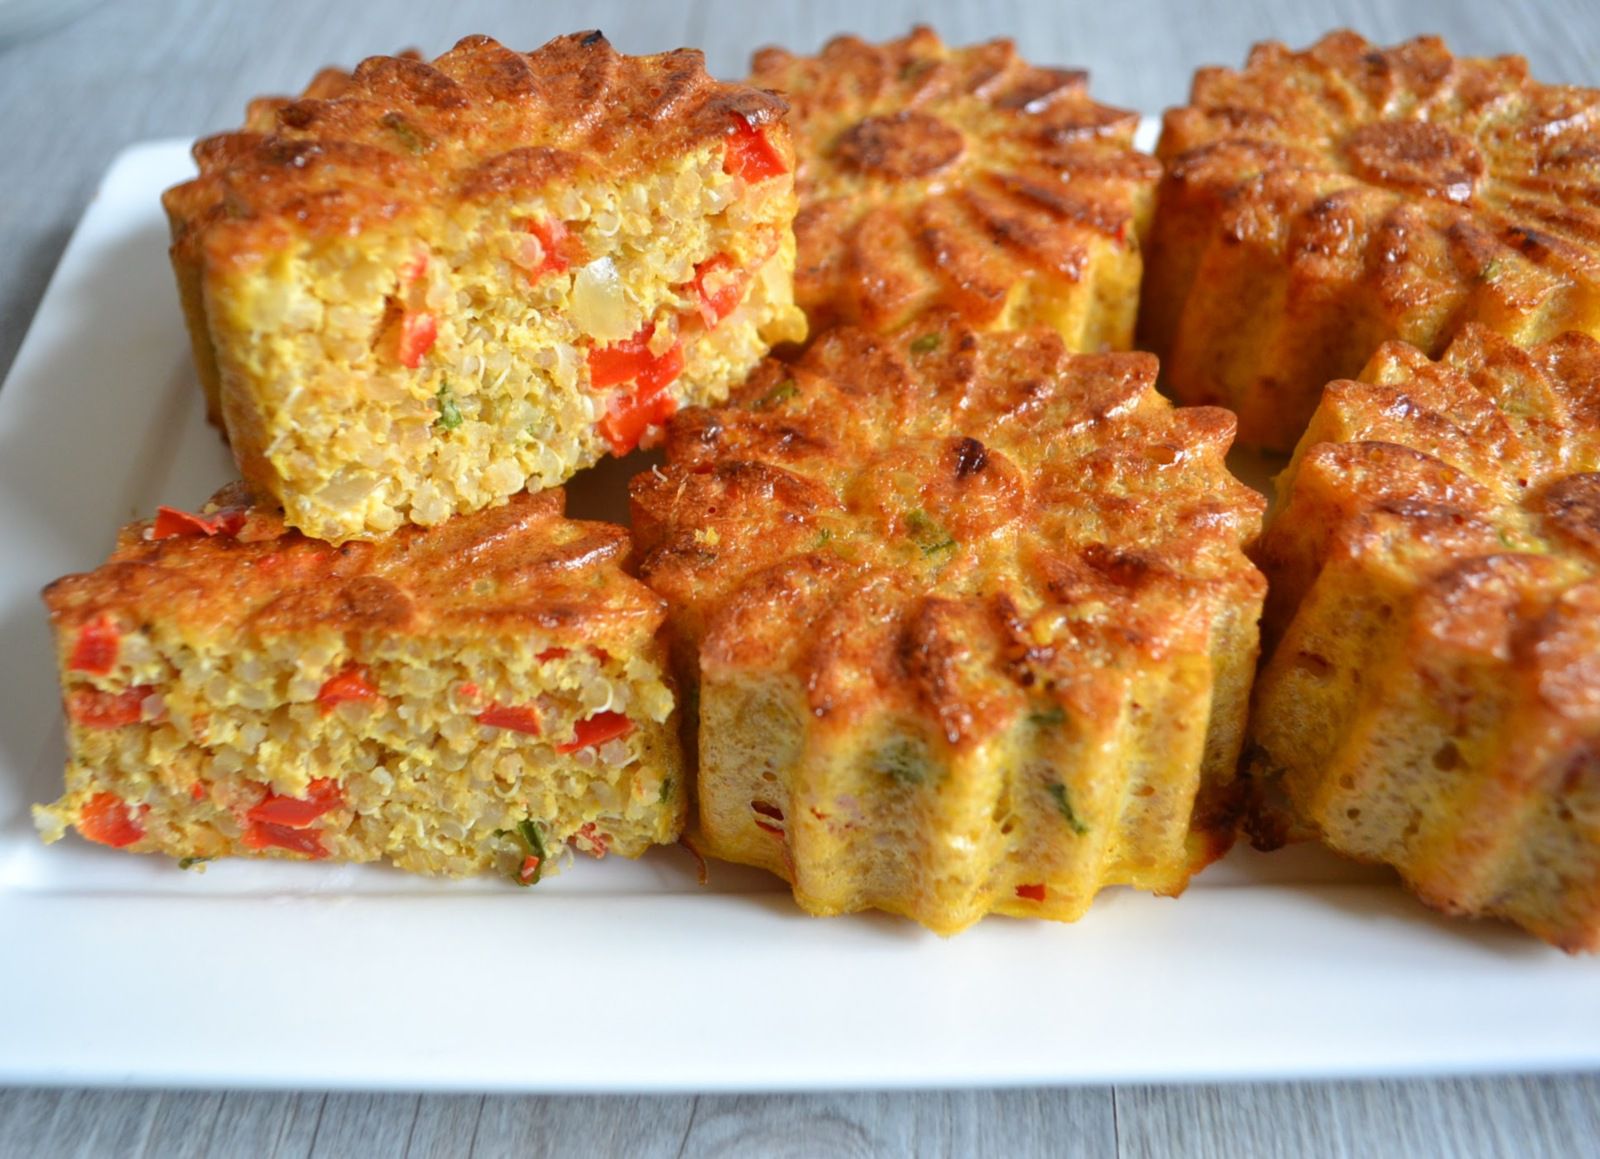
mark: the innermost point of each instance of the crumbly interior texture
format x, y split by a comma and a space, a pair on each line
965, 180
421, 781
1029, 625
1318, 203
452, 700
1435, 565
325, 415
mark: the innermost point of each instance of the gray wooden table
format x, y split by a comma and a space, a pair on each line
129, 70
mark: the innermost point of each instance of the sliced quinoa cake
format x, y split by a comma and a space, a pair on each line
969, 621
422, 287
1433, 700
1319, 203
453, 700
963, 180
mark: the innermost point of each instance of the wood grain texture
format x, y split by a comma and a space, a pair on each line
639, 1127
183, 1124
130, 70
446, 1127
958, 1123
272, 1126
1524, 1117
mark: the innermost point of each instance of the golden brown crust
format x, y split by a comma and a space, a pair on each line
966, 542
934, 178
1435, 565
520, 567
400, 132
1318, 203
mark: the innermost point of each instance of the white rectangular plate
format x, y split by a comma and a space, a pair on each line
614, 975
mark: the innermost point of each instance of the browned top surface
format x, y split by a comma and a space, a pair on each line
515, 569
951, 526
1473, 484
361, 148
1404, 140
933, 176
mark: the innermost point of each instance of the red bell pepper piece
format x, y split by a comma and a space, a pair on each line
96, 649
106, 819
93, 708
171, 523
515, 717
720, 288
554, 239
591, 840
660, 374
750, 155
417, 332
349, 683
1031, 892
629, 418
622, 361
596, 730
267, 835
322, 796
413, 269
630, 415
630, 360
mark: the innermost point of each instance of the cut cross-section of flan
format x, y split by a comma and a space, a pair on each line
422, 287
459, 699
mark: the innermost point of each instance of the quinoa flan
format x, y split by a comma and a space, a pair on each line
1433, 698
454, 700
1316, 204
422, 287
962, 180
968, 620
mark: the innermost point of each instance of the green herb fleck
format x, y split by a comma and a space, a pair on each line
532, 838
823, 537
1064, 804
666, 791
901, 759
449, 413
926, 344
1492, 271
531, 841
413, 140
1048, 717
927, 534
191, 862
778, 395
